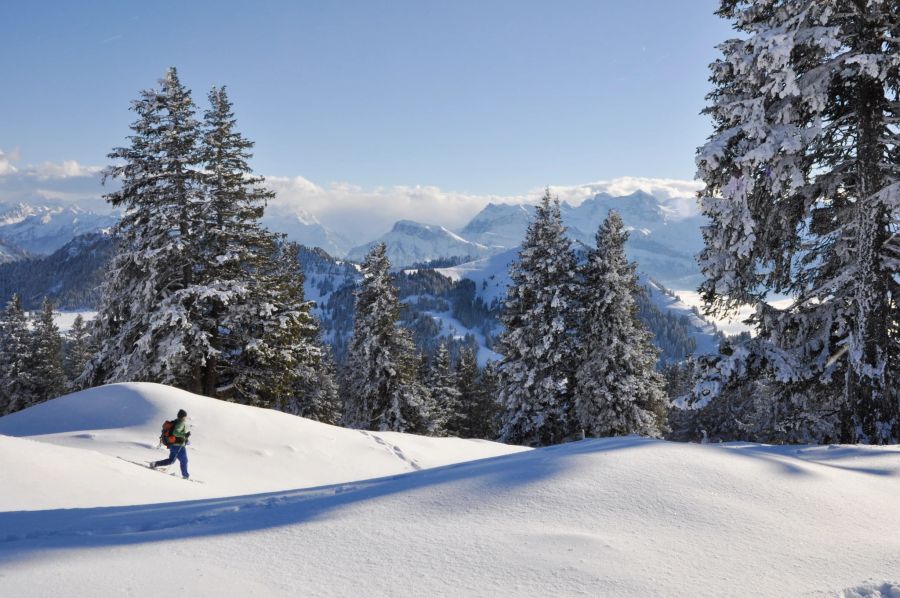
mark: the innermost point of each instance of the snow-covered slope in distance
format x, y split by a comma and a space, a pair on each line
611, 517
410, 243
491, 278
490, 275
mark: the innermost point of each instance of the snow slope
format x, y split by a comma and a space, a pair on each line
612, 517
235, 449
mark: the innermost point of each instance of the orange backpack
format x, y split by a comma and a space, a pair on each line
166, 438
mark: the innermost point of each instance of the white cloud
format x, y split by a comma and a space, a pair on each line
66, 182
358, 213
6, 163
62, 170
366, 213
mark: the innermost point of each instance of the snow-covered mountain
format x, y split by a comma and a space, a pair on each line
410, 243
663, 239
8, 253
502, 225
291, 507
27, 229
302, 227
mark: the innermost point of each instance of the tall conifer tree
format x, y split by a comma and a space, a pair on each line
445, 396
803, 194
78, 349
536, 375
17, 388
45, 361
618, 389
150, 322
384, 389
234, 246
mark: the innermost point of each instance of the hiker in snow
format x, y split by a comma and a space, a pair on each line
177, 438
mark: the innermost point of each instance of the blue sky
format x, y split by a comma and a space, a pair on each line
479, 97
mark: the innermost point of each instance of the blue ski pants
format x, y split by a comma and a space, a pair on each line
176, 452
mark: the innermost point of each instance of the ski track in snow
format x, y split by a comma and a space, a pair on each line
392, 449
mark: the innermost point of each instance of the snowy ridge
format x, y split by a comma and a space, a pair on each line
705, 333
271, 450
410, 243
623, 517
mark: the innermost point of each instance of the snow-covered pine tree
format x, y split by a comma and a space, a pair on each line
477, 397
447, 410
46, 355
383, 387
803, 194
618, 390
78, 350
280, 357
16, 377
536, 375
234, 245
149, 326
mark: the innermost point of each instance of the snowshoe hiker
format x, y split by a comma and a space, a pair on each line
176, 438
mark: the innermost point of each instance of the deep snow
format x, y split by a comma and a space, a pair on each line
287, 511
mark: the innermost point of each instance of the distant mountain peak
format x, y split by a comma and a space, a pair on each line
410, 242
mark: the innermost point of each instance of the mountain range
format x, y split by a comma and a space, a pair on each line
39, 230
663, 240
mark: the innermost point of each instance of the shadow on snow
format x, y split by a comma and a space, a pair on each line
26, 532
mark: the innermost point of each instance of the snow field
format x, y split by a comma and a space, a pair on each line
610, 517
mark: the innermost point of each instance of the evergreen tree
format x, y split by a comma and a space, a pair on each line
618, 390
384, 390
319, 401
17, 383
78, 350
45, 361
150, 323
803, 195
279, 361
200, 295
447, 410
235, 246
538, 345
477, 397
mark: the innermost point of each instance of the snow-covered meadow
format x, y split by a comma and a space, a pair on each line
292, 507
